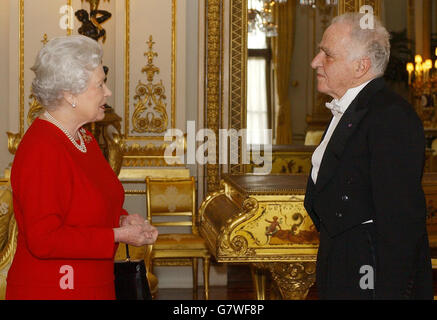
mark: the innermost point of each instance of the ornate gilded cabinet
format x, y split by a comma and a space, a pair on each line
261, 220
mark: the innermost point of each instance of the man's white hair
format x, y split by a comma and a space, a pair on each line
373, 43
64, 64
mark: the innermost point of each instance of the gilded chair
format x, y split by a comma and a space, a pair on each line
8, 234
137, 176
171, 203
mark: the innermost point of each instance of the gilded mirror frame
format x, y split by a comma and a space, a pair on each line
214, 77
355, 5
214, 80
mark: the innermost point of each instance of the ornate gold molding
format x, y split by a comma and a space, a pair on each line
127, 69
68, 29
355, 5
15, 138
149, 155
127, 128
411, 22
238, 72
35, 110
150, 113
214, 81
21, 64
237, 245
214, 78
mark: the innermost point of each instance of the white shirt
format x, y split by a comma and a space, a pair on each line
344, 103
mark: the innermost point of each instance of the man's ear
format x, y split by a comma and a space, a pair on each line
362, 66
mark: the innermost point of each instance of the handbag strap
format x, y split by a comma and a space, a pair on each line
127, 253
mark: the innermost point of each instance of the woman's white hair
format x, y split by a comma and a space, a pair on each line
373, 43
64, 64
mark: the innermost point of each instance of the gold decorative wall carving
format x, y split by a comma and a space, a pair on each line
138, 154
147, 127
35, 110
214, 82
150, 113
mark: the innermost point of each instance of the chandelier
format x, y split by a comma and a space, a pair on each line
321, 4
260, 17
422, 70
422, 79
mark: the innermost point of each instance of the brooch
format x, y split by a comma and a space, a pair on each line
87, 138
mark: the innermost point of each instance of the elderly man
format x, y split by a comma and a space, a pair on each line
364, 193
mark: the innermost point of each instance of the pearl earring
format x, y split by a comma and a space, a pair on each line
74, 104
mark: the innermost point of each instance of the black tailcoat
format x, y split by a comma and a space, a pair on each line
372, 170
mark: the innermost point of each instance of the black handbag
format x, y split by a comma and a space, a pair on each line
131, 279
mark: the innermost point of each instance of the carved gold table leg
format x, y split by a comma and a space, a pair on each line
293, 279
259, 280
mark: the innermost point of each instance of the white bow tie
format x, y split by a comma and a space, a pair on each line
335, 108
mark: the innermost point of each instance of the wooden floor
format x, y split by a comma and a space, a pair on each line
239, 287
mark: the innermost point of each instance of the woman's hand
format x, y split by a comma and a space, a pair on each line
136, 231
131, 219
152, 232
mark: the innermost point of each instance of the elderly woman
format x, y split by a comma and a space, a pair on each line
67, 200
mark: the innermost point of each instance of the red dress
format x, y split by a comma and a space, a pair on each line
66, 204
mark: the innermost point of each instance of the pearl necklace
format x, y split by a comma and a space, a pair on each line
81, 146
